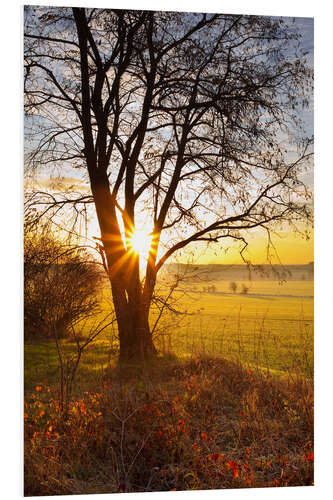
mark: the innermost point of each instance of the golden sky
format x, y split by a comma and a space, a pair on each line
292, 249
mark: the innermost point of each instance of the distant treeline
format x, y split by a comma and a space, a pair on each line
222, 272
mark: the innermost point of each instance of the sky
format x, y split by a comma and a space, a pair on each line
291, 250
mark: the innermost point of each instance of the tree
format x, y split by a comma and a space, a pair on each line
233, 286
181, 119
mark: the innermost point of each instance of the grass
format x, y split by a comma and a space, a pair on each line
270, 327
228, 405
41, 363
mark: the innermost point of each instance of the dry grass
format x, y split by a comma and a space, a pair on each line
199, 424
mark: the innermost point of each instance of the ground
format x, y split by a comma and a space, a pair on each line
229, 404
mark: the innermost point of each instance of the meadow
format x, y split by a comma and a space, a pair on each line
270, 327
229, 403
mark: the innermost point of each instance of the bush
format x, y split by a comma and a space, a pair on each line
60, 286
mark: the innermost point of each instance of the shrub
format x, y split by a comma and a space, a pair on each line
60, 286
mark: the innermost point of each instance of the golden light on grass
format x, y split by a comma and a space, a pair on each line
140, 242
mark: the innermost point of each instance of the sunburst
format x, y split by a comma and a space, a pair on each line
140, 242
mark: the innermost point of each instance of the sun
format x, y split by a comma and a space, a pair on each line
140, 242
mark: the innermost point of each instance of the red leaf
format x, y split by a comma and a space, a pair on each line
234, 467
204, 436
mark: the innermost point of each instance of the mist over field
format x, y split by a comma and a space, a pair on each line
220, 272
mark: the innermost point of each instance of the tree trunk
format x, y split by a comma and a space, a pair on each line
135, 338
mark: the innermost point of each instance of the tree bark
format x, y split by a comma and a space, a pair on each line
132, 312
135, 339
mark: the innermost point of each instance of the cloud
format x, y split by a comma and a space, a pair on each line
58, 184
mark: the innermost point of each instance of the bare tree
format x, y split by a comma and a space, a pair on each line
190, 121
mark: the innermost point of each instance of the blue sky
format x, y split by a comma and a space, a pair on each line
306, 25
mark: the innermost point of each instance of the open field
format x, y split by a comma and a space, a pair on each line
269, 327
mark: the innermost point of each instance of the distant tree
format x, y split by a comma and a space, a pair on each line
244, 289
178, 115
233, 286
